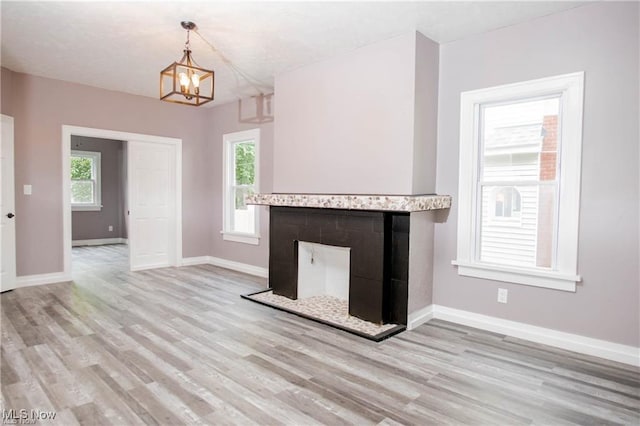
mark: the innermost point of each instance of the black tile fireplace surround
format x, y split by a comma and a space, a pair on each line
379, 263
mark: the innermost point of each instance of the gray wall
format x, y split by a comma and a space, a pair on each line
601, 40
224, 119
420, 261
40, 106
88, 225
347, 125
425, 112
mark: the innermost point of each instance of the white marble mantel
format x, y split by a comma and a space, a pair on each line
394, 203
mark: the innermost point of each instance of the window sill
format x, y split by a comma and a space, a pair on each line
86, 208
253, 239
546, 279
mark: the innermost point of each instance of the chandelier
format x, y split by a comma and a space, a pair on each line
185, 82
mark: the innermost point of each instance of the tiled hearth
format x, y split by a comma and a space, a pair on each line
328, 310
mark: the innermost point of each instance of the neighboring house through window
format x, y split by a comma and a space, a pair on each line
507, 202
520, 150
85, 181
240, 167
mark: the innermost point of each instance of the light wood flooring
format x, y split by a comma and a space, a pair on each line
179, 346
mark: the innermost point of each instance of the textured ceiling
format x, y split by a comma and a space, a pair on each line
123, 45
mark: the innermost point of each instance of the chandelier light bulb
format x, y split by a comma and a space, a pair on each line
184, 82
195, 79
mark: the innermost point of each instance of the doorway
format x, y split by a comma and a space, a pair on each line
98, 204
153, 193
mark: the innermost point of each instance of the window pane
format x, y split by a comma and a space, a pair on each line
82, 192
239, 194
546, 224
520, 141
516, 225
243, 215
81, 168
245, 163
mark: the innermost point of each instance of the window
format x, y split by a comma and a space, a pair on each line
85, 180
507, 202
520, 151
240, 178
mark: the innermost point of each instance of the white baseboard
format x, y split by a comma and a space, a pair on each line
150, 266
39, 279
200, 260
99, 242
573, 342
240, 267
227, 264
419, 317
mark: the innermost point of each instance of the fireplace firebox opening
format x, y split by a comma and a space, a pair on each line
323, 270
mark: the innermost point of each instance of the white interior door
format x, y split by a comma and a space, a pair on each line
7, 208
152, 206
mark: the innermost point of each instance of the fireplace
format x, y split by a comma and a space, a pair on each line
379, 251
367, 235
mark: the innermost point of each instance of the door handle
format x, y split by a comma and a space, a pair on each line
10, 215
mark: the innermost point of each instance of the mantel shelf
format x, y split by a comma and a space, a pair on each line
393, 203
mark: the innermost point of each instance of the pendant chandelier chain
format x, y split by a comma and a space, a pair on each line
187, 44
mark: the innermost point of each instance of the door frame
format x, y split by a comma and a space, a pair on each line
67, 132
7, 120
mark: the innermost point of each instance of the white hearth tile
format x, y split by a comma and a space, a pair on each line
326, 308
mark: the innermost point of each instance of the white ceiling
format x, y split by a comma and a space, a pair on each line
123, 45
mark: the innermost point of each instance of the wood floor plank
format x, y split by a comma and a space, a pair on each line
235, 395
11, 340
122, 393
89, 414
7, 374
161, 414
179, 346
108, 403
165, 355
312, 407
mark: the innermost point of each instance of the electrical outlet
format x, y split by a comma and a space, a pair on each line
110, 228
502, 295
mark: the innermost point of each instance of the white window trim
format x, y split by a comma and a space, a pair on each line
564, 276
228, 140
97, 161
